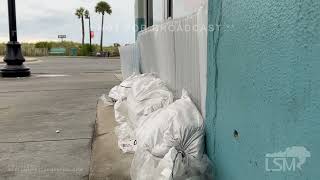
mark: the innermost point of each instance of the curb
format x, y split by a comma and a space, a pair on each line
107, 160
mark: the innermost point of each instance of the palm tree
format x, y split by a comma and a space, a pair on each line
102, 8
80, 14
87, 16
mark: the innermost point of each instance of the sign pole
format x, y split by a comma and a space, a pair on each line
62, 37
14, 58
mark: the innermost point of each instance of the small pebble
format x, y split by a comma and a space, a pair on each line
57, 131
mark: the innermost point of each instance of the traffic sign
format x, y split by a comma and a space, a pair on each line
62, 36
92, 34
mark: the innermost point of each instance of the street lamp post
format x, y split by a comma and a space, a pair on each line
14, 58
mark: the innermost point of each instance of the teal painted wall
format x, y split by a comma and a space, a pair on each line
263, 82
140, 14
140, 25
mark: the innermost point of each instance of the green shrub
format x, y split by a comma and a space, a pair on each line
87, 50
114, 51
47, 45
2, 49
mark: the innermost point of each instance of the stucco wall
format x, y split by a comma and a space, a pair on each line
263, 82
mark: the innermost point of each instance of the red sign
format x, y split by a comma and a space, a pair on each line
92, 34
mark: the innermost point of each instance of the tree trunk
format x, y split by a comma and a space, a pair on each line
82, 20
101, 41
90, 30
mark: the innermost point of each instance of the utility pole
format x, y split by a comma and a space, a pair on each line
14, 58
170, 9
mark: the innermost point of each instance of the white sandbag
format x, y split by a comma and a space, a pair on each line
179, 166
186, 131
147, 95
125, 134
121, 111
171, 166
152, 128
121, 91
143, 166
126, 138
120, 94
180, 125
174, 166
134, 77
105, 100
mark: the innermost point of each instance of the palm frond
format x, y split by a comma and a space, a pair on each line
86, 14
103, 7
80, 12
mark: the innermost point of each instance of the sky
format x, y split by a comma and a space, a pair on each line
39, 20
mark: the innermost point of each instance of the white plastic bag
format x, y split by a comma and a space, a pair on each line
106, 101
146, 96
179, 126
174, 166
143, 166
186, 131
120, 94
179, 166
126, 138
125, 133
121, 91
121, 111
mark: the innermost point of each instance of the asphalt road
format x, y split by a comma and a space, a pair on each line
61, 95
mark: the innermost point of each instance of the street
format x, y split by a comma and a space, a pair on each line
47, 120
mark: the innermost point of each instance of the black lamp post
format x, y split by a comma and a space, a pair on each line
14, 57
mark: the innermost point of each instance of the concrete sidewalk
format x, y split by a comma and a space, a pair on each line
107, 161
33, 109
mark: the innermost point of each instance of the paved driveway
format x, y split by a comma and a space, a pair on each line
61, 95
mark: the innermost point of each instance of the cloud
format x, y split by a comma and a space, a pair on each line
46, 19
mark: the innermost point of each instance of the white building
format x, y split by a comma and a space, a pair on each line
149, 12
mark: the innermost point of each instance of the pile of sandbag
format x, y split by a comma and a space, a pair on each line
138, 95
171, 144
167, 137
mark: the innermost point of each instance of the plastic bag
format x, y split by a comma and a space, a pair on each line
125, 133
179, 125
121, 91
118, 93
143, 166
106, 101
121, 111
174, 166
146, 96
176, 128
126, 138
186, 131
179, 166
